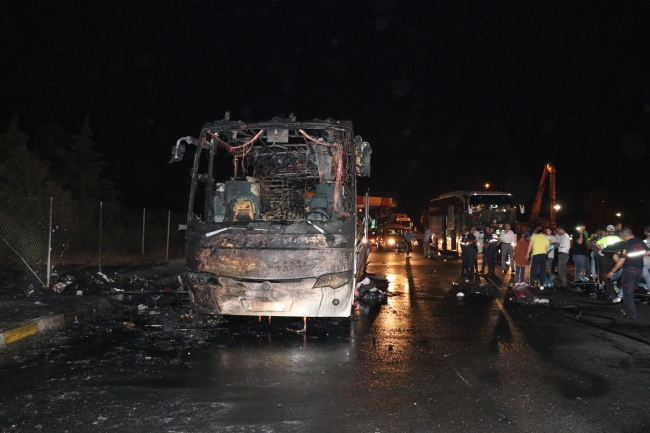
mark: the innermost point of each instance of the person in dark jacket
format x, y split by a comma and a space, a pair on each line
580, 253
408, 239
631, 261
491, 241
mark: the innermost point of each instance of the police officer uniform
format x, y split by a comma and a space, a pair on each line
491, 239
464, 252
609, 246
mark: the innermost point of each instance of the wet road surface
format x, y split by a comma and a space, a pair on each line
424, 362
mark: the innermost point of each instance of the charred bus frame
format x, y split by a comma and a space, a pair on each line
281, 237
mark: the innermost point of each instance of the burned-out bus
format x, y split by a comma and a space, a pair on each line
448, 213
278, 235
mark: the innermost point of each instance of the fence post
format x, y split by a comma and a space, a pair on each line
101, 217
169, 219
49, 245
144, 211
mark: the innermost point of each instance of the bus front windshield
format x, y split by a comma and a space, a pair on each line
492, 210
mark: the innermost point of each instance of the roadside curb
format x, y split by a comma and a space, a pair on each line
46, 323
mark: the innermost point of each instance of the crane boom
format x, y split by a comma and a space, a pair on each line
549, 171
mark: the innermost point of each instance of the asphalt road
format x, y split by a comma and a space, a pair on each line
425, 362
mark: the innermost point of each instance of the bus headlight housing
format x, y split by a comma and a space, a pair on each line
333, 280
391, 241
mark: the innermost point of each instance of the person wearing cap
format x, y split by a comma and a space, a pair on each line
519, 257
598, 235
464, 250
631, 261
611, 238
608, 246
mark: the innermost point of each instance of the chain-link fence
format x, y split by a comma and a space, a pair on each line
80, 236
24, 227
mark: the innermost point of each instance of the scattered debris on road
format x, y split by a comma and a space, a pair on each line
469, 286
128, 289
523, 293
371, 291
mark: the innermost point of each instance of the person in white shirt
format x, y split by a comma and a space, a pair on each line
551, 251
564, 244
508, 238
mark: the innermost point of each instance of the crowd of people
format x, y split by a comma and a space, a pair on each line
613, 256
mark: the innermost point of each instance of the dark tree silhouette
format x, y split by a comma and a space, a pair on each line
22, 172
80, 168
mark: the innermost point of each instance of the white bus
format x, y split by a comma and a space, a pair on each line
451, 211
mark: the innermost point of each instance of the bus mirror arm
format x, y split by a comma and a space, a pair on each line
178, 150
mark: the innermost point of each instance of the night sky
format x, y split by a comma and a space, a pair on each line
450, 94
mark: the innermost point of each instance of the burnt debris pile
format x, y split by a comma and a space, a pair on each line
121, 288
467, 286
371, 291
524, 294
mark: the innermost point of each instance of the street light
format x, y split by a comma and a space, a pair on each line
556, 207
487, 186
618, 214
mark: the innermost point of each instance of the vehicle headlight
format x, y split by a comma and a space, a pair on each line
333, 280
391, 241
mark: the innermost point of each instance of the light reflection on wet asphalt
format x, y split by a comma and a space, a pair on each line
425, 361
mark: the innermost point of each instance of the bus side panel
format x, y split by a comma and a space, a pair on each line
459, 222
435, 225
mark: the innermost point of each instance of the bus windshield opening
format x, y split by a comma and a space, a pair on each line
492, 209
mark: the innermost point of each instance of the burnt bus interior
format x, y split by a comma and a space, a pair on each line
279, 171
